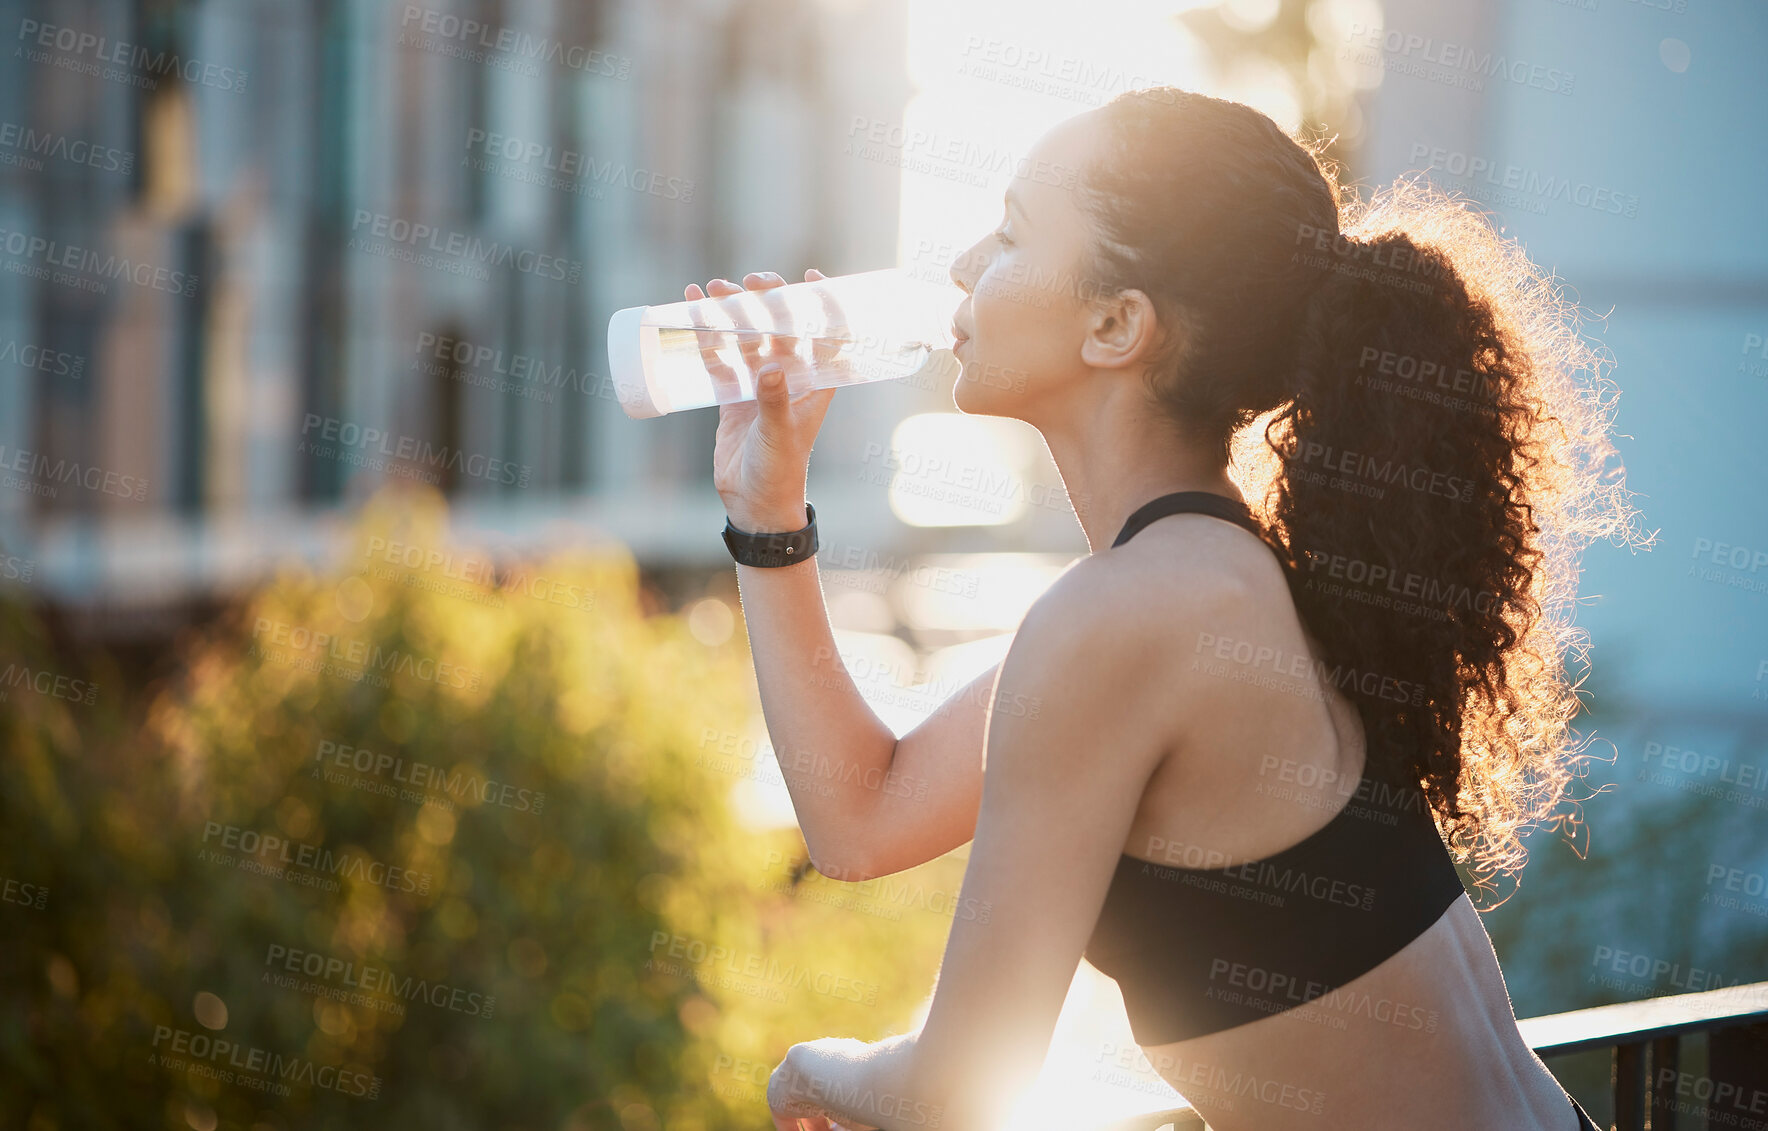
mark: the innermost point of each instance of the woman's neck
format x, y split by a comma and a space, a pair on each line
1116, 455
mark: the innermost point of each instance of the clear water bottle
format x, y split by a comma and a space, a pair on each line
843, 330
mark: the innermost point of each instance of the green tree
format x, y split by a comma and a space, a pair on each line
463, 841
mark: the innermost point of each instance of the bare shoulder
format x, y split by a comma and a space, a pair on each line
1201, 550
1122, 612
1134, 618
1184, 567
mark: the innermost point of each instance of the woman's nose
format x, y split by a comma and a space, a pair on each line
967, 267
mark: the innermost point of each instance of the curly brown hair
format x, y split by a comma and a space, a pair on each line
1414, 413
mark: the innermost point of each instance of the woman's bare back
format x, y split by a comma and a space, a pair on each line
1428, 1037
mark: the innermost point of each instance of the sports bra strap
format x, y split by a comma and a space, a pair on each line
1182, 502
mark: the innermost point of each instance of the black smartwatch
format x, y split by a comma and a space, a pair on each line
772, 550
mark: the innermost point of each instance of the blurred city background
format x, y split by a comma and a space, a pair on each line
257, 253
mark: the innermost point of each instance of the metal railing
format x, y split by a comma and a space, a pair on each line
1651, 1090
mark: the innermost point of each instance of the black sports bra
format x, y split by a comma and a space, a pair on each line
1197, 947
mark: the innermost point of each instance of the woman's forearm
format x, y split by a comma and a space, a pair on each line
833, 750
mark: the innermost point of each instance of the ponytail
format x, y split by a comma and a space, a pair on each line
1413, 412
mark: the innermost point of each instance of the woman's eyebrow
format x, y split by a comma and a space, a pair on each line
1013, 201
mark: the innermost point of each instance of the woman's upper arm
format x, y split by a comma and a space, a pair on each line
927, 803
1061, 794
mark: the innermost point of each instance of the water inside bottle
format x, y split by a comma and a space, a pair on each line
843, 330
816, 361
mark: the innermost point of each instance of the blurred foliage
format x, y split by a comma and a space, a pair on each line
1251, 41
611, 948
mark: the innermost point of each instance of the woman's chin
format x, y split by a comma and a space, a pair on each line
976, 397
970, 397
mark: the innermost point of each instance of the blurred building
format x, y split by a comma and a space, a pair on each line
262, 256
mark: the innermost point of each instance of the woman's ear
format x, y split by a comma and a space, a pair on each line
1121, 330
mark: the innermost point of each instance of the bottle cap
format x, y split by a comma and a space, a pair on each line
633, 356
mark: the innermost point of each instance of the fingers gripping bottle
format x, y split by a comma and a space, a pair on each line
844, 330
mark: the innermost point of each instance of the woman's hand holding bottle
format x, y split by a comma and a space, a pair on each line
761, 456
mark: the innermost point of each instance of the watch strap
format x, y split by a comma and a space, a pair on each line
771, 551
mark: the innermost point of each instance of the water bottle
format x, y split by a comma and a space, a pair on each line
843, 330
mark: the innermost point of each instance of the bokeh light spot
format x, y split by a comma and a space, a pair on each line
711, 621
355, 599
211, 1011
